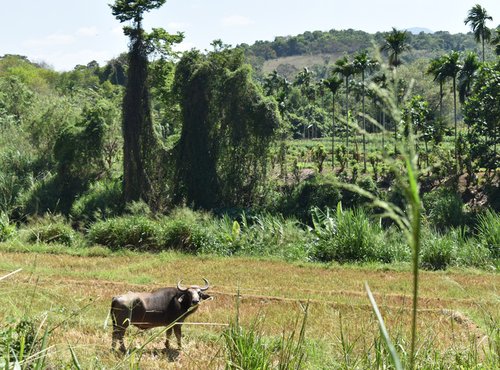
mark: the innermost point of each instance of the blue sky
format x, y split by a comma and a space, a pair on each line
63, 33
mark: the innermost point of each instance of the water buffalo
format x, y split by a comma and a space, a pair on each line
161, 307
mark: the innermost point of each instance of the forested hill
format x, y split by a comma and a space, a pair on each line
329, 45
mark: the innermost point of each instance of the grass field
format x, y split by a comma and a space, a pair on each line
458, 317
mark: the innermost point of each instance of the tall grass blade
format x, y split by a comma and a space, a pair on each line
74, 359
40, 363
394, 354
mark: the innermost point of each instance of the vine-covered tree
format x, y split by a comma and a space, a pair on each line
477, 17
138, 136
228, 125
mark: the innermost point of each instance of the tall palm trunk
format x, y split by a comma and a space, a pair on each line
364, 119
347, 115
455, 117
482, 41
333, 132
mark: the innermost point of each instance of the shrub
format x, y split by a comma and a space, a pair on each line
18, 339
309, 195
7, 230
50, 229
353, 199
444, 209
273, 235
473, 253
393, 247
102, 200
184, 230
131, 232
354, 238
438, 251
488, 232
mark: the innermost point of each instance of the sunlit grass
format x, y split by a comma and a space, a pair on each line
76, 291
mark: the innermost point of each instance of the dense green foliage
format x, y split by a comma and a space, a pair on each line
338, 42
228, 126
207, 131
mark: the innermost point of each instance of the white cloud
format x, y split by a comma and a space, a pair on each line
50, 40
183, 46
236, 21
178, 26
117, 31
87, 31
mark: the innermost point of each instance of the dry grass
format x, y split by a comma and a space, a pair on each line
77, 291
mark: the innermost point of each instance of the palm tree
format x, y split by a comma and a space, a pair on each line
304, 82
436, 69
333, 84
396, 42
381, 81
451, 67
345, 68
477, 18
466, 75
361, 64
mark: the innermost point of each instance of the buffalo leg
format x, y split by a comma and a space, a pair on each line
118, 334
177, 331
167, 340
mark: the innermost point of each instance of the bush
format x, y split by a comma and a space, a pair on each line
309, 195
18, 339
51, 229
473, 253
7, 230
444, 209
101, 201
184, 230
353, 199
273, 235
488, 232
352, 237
438, 251
394, 246
130, 232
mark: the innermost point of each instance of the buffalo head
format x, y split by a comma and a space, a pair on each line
195, 293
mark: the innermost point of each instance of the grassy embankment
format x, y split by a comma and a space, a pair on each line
459, 309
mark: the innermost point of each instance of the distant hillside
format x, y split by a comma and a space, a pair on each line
289, 54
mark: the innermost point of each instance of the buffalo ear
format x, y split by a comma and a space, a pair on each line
204, 295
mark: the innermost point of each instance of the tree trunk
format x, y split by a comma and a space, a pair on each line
137, 124
333, 132
364, 120
455, 118
347, 119
441, 99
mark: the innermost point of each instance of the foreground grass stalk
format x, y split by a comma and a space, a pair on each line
415, 204
394, 354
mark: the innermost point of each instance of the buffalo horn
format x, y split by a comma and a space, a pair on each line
182, 289
206, 285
